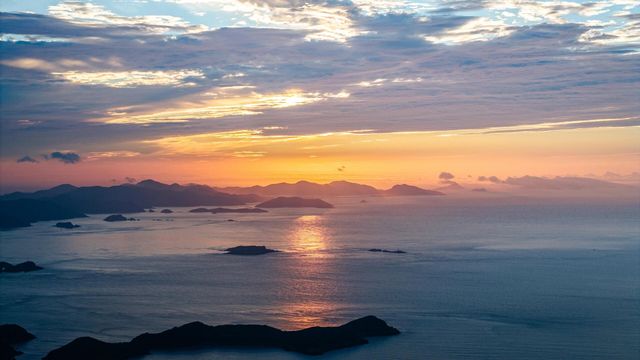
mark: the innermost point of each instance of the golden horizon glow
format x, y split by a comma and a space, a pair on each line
261, 157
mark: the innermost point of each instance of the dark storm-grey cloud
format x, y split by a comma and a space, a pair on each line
26, 159
67, 158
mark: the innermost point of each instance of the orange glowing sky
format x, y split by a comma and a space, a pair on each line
380, 159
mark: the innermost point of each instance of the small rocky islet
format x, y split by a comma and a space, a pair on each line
387, 251
26, 266
249, 250
118, 217
66, 225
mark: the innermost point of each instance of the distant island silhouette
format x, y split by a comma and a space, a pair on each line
26, 266
409, 190
66, 225
294, 202
388, 251
310, 341
67, 201
335, 188
117, 217
249, 250
62, 202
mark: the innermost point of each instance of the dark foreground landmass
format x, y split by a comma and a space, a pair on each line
249, 250
310, 341
10, 335
294, 202
22, 267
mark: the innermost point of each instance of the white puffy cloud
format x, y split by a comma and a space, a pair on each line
237, 104
478, 29
126, 79
89, 14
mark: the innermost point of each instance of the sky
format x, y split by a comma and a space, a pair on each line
243, 92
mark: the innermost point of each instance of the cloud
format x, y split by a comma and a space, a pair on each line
67, 158
493, 179
446, 176
477, 29
111, 154
26, 159
249, 154
31, 63
541, 72
88, 14
211, 107
320, 20
127, 79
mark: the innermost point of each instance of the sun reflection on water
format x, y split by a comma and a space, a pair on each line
309, 235
310, 297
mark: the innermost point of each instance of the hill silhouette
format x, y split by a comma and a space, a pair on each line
67, 201
20, 209
335, 188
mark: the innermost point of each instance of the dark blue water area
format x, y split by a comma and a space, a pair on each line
492, 280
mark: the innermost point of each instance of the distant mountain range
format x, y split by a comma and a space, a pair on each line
335, 188
66, 201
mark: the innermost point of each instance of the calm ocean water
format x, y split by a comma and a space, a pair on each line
484, 278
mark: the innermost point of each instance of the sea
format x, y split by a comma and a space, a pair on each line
483, 277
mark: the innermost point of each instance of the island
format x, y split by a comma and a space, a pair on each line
335, 188
249, 250
11, 335
167, 211
410, 190
66, 225
117, 217
22, 212
26, 266
309, 341
294, 202
20, 209
221, 210
388, 251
